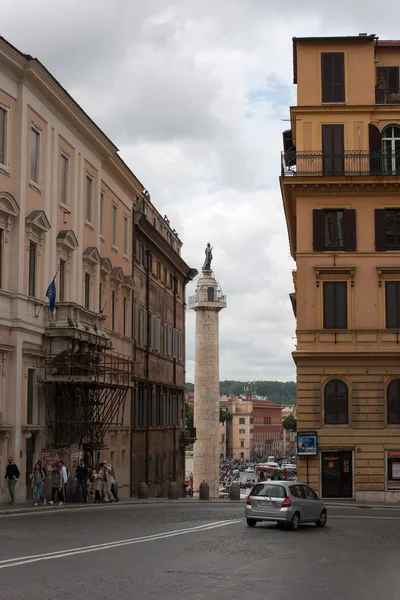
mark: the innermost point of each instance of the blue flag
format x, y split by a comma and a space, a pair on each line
51, 295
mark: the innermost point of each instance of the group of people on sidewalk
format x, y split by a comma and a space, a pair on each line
100, 480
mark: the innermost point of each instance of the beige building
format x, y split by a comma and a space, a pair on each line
340, 188
79, 380
240, 429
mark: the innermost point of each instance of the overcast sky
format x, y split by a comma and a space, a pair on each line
195, 93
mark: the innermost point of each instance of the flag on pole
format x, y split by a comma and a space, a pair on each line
51, 295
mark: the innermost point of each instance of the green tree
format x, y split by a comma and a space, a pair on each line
224, 415
189, 416
290, 423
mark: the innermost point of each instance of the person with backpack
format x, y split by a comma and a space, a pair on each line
56, 485
81, 478
37, 483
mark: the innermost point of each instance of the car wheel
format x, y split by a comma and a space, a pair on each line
251, 522
295, 522
323, 517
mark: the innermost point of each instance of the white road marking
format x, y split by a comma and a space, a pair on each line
371, 518
23, 560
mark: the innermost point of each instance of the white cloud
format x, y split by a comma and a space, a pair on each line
193, 93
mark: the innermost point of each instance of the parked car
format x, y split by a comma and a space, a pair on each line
250, 470
286, 503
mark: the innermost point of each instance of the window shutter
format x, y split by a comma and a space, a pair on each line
392, 299
375, 149
380, 230
341, 305
329, 305
318, 230
393, 77
350, 234
332, 72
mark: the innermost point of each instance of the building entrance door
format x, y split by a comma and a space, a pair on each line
337, 474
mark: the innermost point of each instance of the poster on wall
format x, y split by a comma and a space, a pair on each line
306, 443
393, 470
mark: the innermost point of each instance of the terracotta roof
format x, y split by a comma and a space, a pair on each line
388, 43
333, 38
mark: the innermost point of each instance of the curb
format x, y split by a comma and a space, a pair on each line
363, 506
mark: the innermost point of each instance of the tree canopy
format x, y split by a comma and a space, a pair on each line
279, 392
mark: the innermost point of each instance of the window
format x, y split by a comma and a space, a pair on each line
393, 402
114, 225
64, 179
141, 254
242, 443
387, 229
102, 196
335, 304
62, 274
336, 403
270, 491
391, 149
175, 343
309, 493
29, 396
35, 150
32, 270
142, 327
393, 470
165, 339
1, 257
242, 431
165, 275
158, 269
113, 301
124, 316
180, 345
87, 291
126, 248
170, 280
3, 135
100, 297
242, 421
89, 198
333, 228
332, 67
392, 289
169, 340
387, 85
333, 149
210, 294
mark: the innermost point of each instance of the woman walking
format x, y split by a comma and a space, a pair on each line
97, 484
37, 483
56, 485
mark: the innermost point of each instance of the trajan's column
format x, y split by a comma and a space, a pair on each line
207, 302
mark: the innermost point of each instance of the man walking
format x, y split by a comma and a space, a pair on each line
64, 477
12, 476
81, 476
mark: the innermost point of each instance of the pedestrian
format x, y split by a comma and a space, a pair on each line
12, 476
56, 485
81, 477
43, 471
114, 484
64, 475
97, 484
106, 483
37, 483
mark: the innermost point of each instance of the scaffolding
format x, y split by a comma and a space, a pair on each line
85, 388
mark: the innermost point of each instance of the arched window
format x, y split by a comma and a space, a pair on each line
336, 403
391, 149
393, 402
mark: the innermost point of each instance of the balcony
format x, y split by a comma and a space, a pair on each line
339, 164
387, 95
188, 436
201, 298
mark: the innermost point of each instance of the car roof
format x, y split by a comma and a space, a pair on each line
283, 482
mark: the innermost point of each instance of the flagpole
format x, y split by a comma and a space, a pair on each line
45, 296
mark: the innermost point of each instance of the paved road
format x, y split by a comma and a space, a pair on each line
193, 552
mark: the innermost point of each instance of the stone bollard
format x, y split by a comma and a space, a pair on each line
143, 491
234, 492
173, 491
204, 491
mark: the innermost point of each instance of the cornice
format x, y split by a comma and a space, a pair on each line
304, 187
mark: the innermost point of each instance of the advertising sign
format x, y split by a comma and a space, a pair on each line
306, 443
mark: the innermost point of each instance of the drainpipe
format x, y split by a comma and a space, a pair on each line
131, 472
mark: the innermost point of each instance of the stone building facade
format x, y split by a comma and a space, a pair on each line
340, 187
72, 210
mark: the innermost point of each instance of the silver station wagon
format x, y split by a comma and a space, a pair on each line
286, 503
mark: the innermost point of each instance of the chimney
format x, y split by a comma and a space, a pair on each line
363, 34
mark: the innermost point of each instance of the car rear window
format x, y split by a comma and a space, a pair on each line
273, 491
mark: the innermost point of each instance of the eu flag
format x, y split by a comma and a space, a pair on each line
51, 295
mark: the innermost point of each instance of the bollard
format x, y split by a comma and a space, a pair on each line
143, 491
204, 491
173, 491
234, 492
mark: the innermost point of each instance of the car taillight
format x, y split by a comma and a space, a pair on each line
248, 499
287, 502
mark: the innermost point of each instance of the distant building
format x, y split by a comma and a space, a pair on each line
268, 430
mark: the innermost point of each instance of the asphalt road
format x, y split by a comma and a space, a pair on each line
196, 552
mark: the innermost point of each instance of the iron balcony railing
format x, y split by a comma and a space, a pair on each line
189, 435
204, 298
340, 164
389, 95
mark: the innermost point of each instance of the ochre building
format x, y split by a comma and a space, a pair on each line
341, 192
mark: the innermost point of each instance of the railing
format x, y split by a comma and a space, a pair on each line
203, 298
340, 164
387, 95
